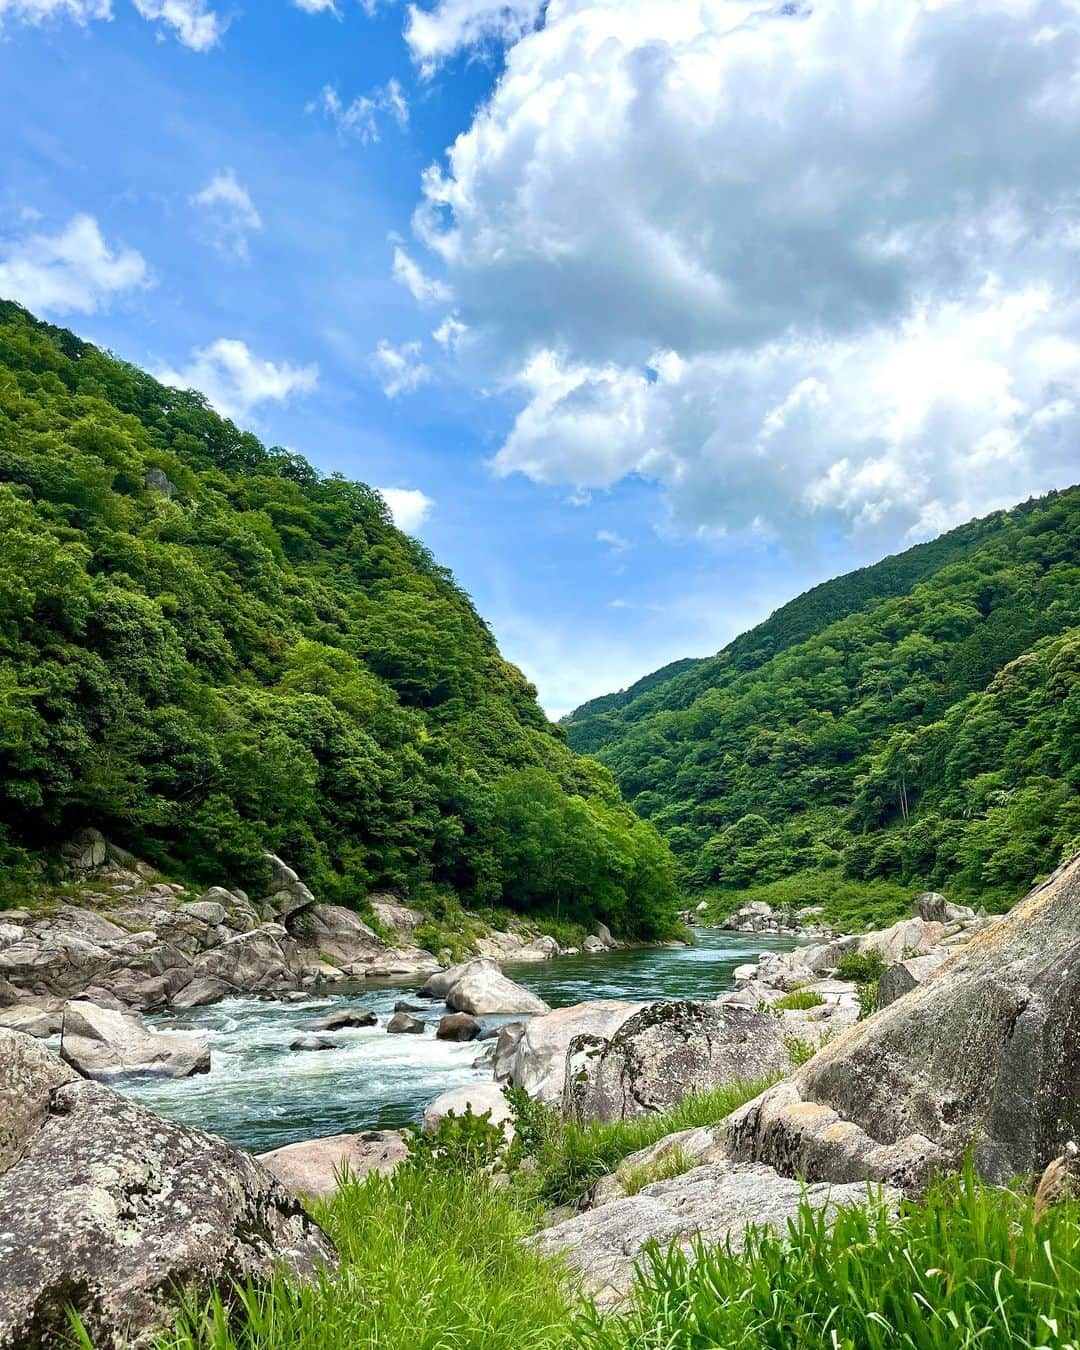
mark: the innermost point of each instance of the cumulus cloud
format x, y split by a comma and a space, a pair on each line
193, 23
363, 117
229, 214
450, 333
236, 381
400, 370
427, 290
409, 507
74, 271
318, 7
434, 35
791, 262
37, 11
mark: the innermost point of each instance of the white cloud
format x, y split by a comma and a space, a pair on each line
74, 271
229, 214
195, 25
434, 35
793, 263
450, 333
363, 117
236, 381
37, 11
616, 542
409, 507
318, 7
427, 290
399, 369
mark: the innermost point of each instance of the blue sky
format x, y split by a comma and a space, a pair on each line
709, 301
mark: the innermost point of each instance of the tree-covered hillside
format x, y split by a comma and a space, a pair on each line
208, 649
915, 722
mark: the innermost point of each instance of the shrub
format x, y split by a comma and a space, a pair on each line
799, 1050
798, 1001
862, 967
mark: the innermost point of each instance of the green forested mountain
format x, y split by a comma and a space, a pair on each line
914, 722
208, 649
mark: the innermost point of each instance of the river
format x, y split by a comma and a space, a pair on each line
260, 1095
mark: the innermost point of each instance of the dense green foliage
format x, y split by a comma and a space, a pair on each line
207, 649
915, 723
966, 1268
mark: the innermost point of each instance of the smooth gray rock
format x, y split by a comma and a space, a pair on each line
404, 1024
201, 992
347, 1018
313, 1043
934, 908
480, 1098
901, 977
719, 1202
102, 1043
439, 983
29, 1074
314, 1166
535, 1059
458, 1027
110, 1208
482, 989
987, 1050
668, 1050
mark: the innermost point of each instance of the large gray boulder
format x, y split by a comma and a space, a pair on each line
934, 908
668, 1050
984, 1052
102, 1043
483, 989
719, 1202
111, 1209
479, 1098
314, 1166
533, 1055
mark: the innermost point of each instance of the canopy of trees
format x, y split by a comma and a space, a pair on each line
208, 649
917, 721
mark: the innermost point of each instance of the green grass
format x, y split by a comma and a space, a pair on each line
799, 1001
966, 1270
800, 1050
850, 906
425, 1263
569, 1158
671, 1165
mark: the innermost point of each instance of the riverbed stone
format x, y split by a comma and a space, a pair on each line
480, 1098
718, 1202
536, 1059
312, 1042
108, 1207
458, 1027
483, 989
404, 1024
314, 1166
346, 1019
668, 1050
102, 1043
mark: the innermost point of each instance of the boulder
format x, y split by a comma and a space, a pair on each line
479, 1097
41, 1017
314, 1166
202, 991
312, 1042
901, 977
400, 919
934, 908
340, 1021
483, 989
693, 1147
502, 946
109, 1208
458, 1027
668, 1050
403, 1023
986, 1050
592, 946
260, 959
603, 932
403, 1005
102, 1043
535, 1058
440, 982
208, 912
719, 1202
507, 1039
336, 934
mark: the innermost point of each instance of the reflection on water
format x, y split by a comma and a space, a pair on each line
260, 1094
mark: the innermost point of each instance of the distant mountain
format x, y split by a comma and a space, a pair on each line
208, 649
917, 722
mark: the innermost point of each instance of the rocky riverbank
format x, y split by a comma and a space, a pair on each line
117, 934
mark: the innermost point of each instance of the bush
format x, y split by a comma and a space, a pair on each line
861, 967
798, 1001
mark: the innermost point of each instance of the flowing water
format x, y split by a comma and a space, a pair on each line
260, 1094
